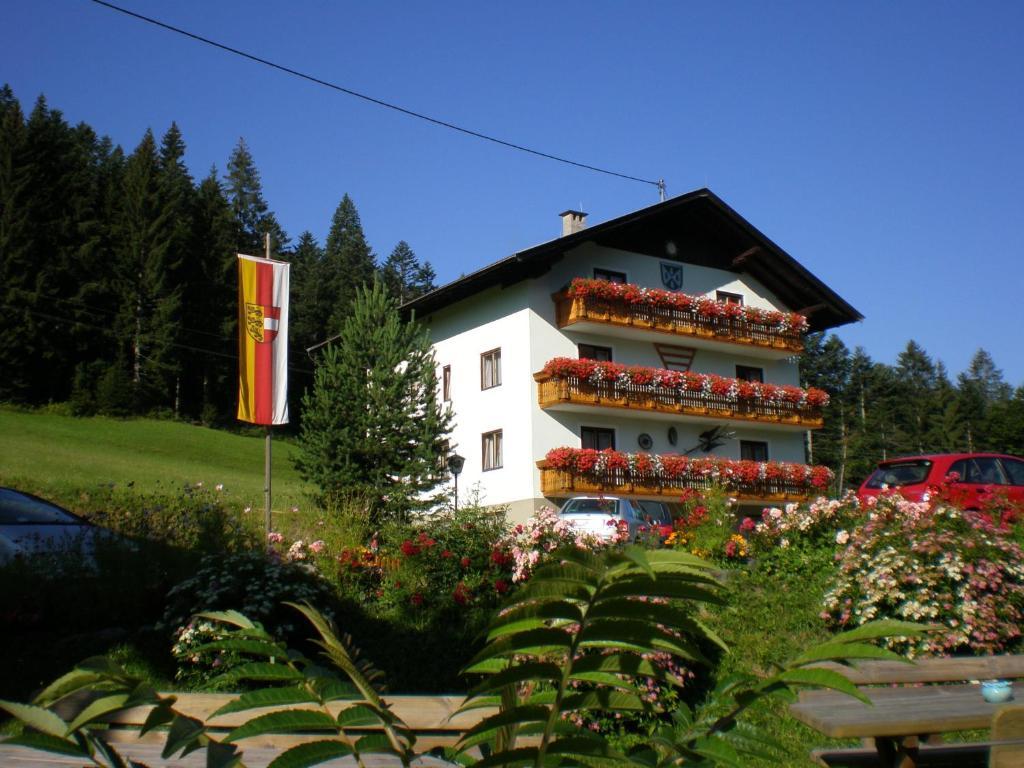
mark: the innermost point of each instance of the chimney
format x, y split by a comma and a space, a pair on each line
573, 221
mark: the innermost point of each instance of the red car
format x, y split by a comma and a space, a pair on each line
975, 476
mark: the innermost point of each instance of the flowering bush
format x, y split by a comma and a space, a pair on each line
444, 563
700, 306
677, 468
250, 582
931, 562
821, 519
529, 543
707, 527
197, 665
655, 380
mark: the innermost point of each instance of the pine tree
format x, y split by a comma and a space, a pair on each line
916, 401
825, 364
151, 298
979, 388
210, 393
372, 426
15, 261
349, 263
180, 273
1006, 424
252, 214
403, 275
54, 191
308, 315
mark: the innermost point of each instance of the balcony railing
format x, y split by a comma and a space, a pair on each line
569, 471
697, 317
599, 384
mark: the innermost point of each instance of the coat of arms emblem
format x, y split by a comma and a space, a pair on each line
672, 276
254, 322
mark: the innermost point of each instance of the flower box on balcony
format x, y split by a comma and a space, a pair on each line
594, 382
578, 470
628, 305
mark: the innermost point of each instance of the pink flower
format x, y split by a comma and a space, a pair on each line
274, 537
317, 547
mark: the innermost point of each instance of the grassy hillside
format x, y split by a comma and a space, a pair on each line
58, 456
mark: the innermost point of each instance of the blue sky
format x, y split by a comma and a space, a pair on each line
879, 143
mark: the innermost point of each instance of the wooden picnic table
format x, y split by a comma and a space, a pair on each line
149, 754
910, 704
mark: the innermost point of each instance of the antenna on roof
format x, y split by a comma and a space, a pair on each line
661, 191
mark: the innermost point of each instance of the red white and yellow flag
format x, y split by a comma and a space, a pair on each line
262, 340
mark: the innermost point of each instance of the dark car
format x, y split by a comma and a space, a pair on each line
975, 476
30, 526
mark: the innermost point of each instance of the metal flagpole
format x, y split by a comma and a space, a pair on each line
266, 461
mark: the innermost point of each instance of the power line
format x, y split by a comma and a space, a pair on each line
660, 183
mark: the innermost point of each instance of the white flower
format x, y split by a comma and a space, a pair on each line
842, 537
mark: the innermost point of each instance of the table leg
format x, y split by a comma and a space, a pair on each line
897, 752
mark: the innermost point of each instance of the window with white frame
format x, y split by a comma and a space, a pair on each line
491, 447
490, 369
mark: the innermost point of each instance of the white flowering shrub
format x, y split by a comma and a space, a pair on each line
930, 562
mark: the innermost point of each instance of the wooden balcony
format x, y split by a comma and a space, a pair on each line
638, 321
570, 393
557, 483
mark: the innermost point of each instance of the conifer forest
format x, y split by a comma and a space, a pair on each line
118, 293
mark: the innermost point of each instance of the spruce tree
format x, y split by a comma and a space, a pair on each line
372, 427
253, 216
210, 392
916, 401
404, 276
349, 263
307, 316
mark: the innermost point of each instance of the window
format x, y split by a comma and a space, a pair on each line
592, 352
609, 275
983, 470
729, 298
1015, 469
899, 474
597, 438
750, 373
753, 450
491, 445
490, 369
446, 383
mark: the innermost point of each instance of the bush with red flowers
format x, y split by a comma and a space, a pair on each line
444, 563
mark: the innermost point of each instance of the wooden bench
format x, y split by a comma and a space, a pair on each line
1006, 744
431, 718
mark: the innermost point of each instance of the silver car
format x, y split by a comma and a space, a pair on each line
601, 516
30, 526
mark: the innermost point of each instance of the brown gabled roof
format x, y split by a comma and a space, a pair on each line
704, 231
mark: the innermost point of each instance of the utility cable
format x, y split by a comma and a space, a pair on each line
660, 183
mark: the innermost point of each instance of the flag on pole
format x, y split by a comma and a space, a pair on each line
262, 340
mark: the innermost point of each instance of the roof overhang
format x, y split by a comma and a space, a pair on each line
705, 231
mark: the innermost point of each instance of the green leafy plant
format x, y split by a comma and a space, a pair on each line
108, 689
578, 638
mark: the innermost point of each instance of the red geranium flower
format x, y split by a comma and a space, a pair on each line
409, 549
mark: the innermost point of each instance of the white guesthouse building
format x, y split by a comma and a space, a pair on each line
494, 332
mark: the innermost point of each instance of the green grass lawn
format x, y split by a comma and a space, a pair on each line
60, 456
